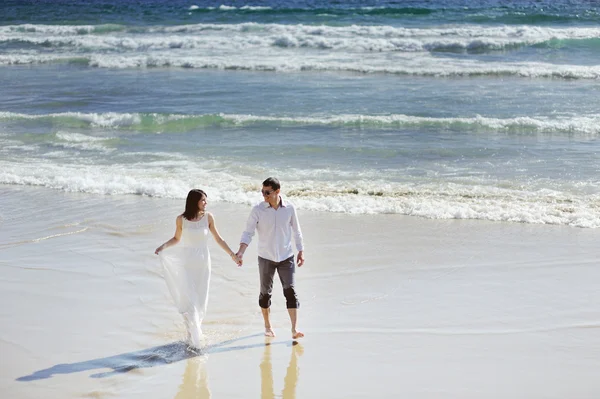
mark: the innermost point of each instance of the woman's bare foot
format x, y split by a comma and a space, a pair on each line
269, 332
297, 334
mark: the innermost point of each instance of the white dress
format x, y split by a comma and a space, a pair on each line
187, 273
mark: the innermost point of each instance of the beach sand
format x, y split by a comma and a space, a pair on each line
392, 306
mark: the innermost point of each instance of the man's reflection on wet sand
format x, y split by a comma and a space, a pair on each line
291, 377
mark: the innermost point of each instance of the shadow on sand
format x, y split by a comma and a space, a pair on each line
156, 356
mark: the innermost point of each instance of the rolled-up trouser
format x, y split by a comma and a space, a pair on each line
286, 269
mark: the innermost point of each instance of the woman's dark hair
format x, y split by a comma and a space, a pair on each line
272, 182
191, 203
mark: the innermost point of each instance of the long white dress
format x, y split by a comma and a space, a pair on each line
187, 273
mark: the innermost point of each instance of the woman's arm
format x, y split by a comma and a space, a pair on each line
176, 237
213, 229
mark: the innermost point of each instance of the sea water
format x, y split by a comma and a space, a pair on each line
439, 109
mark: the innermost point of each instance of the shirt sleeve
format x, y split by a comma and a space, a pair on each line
297, 231
250, 227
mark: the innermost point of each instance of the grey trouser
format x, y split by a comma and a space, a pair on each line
286, 269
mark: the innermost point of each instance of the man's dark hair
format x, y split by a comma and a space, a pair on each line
272, 182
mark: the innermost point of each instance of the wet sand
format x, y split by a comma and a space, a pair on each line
391, 306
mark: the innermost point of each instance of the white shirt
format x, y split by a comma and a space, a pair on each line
275, 229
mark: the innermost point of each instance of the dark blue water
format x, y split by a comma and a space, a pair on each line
394, 13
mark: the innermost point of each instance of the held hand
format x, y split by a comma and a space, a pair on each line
236, 259
300, 259
240, 256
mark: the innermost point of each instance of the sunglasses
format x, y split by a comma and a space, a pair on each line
266, 192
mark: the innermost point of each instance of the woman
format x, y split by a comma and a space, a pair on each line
187, 269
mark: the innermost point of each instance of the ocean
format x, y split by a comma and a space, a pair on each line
436, 109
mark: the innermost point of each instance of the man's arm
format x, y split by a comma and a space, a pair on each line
298, 237
248, 232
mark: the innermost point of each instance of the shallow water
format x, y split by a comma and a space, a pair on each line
437, 109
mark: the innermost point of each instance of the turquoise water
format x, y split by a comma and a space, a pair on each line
425, 108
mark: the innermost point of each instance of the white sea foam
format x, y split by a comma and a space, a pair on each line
353, 38
16, 32
151, 179
436, 200
518, 31
356, 190
10, 148
583, 125
256, 8
80, 138
224, 7
422, 65
82, 142
294, 48
107, 119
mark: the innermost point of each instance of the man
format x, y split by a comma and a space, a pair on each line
276, 222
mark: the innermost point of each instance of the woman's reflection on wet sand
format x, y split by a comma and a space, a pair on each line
195, 380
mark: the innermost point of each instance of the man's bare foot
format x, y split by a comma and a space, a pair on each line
297, 334
269, 332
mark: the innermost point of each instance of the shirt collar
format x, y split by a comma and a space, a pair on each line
282, 203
